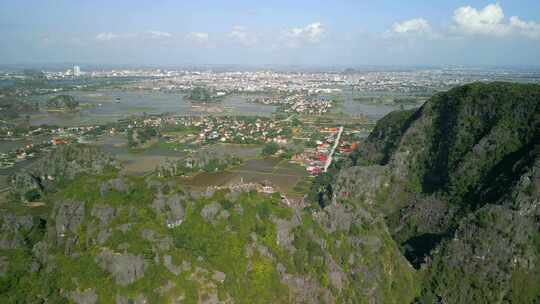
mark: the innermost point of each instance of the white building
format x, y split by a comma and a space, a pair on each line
76, 71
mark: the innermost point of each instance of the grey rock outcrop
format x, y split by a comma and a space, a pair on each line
218, 276
208, 294
162, 243
104, 213
372, 177
303, 289
68, 216
285, 235
116, 184
12, 230
168, 263
140, 299
22, 182
88, 296
172, 207
125, 227
62, 163
125, 268
335, 274
165, 288
43, 256
210, 211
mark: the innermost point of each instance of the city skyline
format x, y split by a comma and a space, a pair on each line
302, 33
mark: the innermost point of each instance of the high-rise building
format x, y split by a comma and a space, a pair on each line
76, 71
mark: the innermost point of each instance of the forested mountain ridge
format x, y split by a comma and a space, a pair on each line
463, 191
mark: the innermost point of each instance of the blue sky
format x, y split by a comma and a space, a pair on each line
274, 32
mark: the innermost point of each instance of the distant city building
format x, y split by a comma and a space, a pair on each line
76, 71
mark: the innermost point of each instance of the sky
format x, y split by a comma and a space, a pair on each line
299, 32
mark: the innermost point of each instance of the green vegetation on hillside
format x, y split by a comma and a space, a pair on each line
138, 137
463, 178
202, 94
12, 107
200, 162
107, 237
62, 102
270, 149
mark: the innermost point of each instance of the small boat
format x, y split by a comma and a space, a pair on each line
117, 99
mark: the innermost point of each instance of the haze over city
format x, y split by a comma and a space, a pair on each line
280, 32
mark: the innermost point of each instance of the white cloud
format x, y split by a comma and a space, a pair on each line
241, 35
487, 21
490, 21
106, 36
159, 34
412, 25
311, 32
298, 36
238, 32
530, 29
198, 37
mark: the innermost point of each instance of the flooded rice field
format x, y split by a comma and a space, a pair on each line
373, 111
109, 105
106, 106
281, 174
138, 162
239, 150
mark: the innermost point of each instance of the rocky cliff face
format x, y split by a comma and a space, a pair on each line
112, 239
63, 163
463, 197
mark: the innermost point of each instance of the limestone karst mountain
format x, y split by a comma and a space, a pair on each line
442, 205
